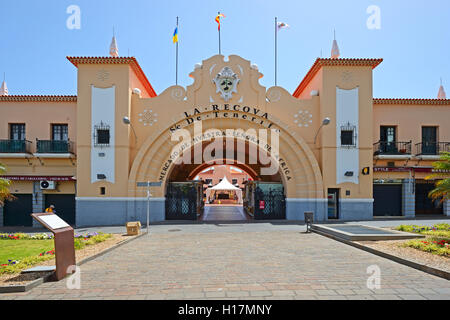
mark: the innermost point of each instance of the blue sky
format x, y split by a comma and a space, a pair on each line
414, 40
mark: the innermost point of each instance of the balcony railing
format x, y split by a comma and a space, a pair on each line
54, 146
431, 148
392, 148
15, 146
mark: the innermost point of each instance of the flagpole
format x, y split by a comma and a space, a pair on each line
176, 63
275, 51
218, 13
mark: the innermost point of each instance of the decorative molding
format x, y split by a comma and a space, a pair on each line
412, 101
303, 118
38, 98
147, 117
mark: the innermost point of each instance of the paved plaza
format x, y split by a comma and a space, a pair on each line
240, 261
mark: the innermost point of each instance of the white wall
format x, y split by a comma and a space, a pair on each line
103, 110
347, 158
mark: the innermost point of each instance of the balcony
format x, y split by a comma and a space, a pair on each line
15, 146
394, 148
431, 148
54, 146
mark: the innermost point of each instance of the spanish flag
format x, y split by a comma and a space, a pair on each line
218, 19
175, 35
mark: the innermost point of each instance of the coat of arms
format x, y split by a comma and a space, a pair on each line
226, 82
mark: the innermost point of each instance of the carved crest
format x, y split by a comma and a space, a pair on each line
226, 82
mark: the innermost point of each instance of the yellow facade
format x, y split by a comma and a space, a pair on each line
313, 159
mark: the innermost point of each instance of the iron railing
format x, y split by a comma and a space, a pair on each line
54, 146
392, 148
15, 146
432, 148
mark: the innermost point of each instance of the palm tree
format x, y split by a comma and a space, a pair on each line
4, 186
442, 190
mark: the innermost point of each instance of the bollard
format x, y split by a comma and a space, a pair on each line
309, 220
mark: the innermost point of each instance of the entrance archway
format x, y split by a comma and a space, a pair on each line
298, 169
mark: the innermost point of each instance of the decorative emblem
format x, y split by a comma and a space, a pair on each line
148, 117
274, 95
226, 82
177, 93
303, 118
347, 76
102, 75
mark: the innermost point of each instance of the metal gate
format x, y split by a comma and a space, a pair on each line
424, 204
269, 200
184, 200
18, 212
387, 199
64, 206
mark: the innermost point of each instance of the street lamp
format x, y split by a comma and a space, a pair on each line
127, 121
325, 122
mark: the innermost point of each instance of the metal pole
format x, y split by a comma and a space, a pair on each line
219, 31
176, 71
148, 206
276, 51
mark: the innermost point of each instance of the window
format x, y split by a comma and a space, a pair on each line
102, 135
348, 135
387, 134
234, 181
429, 141
17, 131
60, 132
347, 138
208, 181
102, 190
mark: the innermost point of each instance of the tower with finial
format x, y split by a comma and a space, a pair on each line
113, 49
4, 88
441, 93
335, 48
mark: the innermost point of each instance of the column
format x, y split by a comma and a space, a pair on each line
446, 208
38, 202
1, 216
408, 198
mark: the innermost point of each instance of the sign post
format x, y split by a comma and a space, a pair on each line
64, 241
148, 184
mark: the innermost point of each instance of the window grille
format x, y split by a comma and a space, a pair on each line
348, 135
102, 135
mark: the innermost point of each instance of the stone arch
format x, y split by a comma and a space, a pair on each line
305, 181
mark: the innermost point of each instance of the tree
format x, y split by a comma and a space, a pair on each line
442, 190
4, 186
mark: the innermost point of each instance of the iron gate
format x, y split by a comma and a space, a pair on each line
270, 202
183, 201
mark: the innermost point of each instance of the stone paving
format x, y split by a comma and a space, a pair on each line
228, 262
224, 213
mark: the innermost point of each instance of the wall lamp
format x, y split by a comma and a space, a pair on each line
127, 121
325, 122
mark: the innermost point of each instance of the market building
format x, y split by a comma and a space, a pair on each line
342, 153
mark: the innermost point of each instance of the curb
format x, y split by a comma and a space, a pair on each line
421, 267
39, 281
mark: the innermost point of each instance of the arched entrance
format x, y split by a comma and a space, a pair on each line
257, 196
298, 171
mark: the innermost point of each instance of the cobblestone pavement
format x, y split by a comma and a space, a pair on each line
231, 263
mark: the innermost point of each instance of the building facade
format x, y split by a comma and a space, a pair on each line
342, 153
